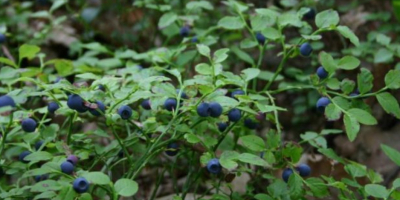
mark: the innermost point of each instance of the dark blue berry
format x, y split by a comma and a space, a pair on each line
125, 112
203, 109
322, 73
52, 107
184, 32
215, 109
222, 126
234, 115
42, 177
322, 103
6, 100
172, 149
101, 87
286, 174
310, 14
304, 170
170, 104
76, 102
101, 109
306, 49
237, 92
260, 38
213, 166
67, 167
250, 123
146, 104
23, 155
3, 38
195, 39
38, 144
28, 125
261, 116
183, 94
73, 159
80, 185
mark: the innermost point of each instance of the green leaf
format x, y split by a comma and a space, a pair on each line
332, 112
192, 138
227, 159
203, 68
317, 187
383, 55
330, 153
392, 79
347, 86
312, 37
231, 23
347, 33
389, 104
28, 51
376, 190
46, 185
252, 159
220, 55
242, 55
263, 197
258, 22
250, 73
199, 4
63, 67
271, 33
365, 81
392, 153
348, 63
333, 84
95, 46
383, 39
287, 19
271, 14
253, 142
167, 19
363, 116
57, 4
295, 186
352, 126
39, 156
8, 62
126, 187
327, 19
248, 43
203, 50
327, 62
98, 178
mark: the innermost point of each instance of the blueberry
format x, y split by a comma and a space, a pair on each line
262, 154
322, 103
304, 170
322, 73
234, 115
146, 104
52, 107
170, 104
172, 149
125, 112
3, 38
203, 109
80, 185
261, 116
222, 126
250, 123
310, 14
73, 159
39, 144
42, 177
101, 109
306, 49
76, 102
195, 39
121, 154
6, 100
28, 125
237, 92
215, 109
213, 166
183, 94
260, 38
184, 32
23, 155
286, 174
101, 87
67, 167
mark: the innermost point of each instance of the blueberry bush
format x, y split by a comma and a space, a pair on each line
195, 94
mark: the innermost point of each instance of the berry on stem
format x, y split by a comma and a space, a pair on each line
67, 167
76, 102
170, 104
222, 126
80, 185
234, 115
28, 125
184, 32
310, 15
286, 174
322, 73
52, 107
260, 38
304, 170
42, 177
125, 112
237, 92
3, 38
322, 103
73, 159
101, 108
250, 123
215, 109
172, 149
306, 49
6, 100
213, 166
203, 109
39, 144
23, 155
146, 104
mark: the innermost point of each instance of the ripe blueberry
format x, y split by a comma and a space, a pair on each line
101, 108
306, 49
183, 94
310, 14
234, 115
170, 104
322, 73
286, 174
2, 38
195, 39
6, 100
184, 32
67, 167
215, 109
222, 126
125, 112
80, 185
172, 149
260, 38
76, 102
304, 170
39, 144
73, 159
213, 166
23, 155
52, 107
146, 104
101, 87
203, 109
28, 125
322, 103
42, 177
237, 92
250, 123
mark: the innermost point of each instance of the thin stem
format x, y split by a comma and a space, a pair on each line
71, 123
224, 135
153, 195
278, 125
122, 145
